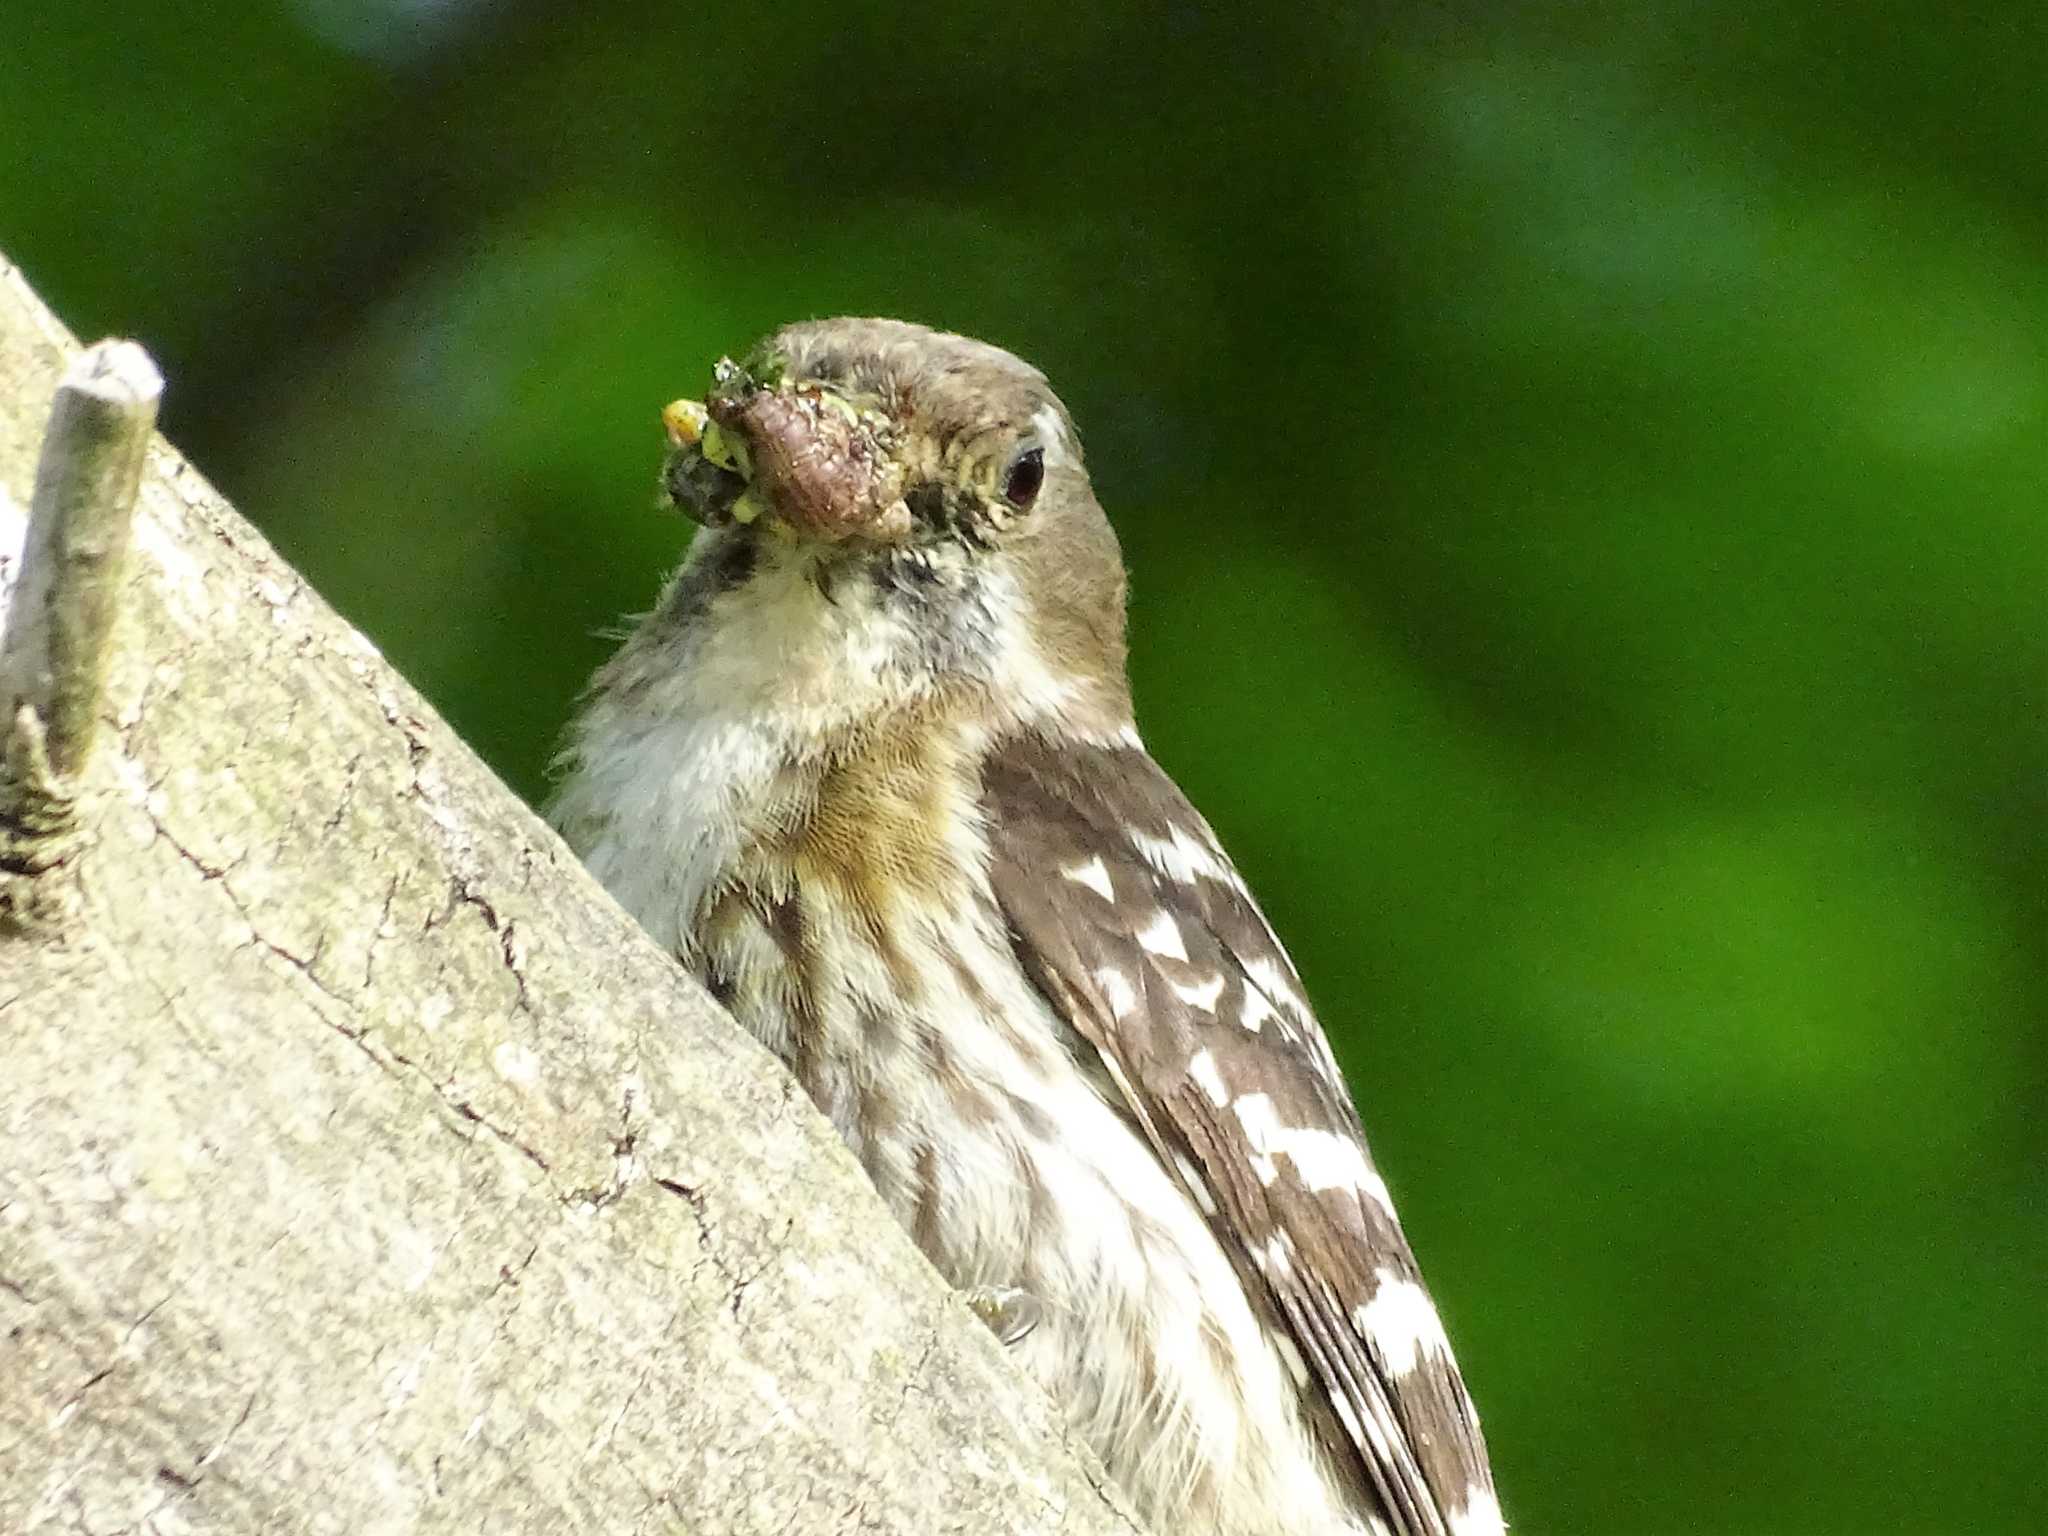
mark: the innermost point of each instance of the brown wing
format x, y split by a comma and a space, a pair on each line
1139, 931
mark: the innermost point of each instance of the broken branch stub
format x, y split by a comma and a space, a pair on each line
60, 621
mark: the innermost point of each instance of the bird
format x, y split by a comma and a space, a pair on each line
870, 771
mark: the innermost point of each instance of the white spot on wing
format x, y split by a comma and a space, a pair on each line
1116, 989
1184, 856
1480, 1515
1296, 1020
1401, 1323
1321, 1159
1256, 1009
1202, 1068
1092, 874
1202, 994
1331, 1160
1272, 981
1161, 936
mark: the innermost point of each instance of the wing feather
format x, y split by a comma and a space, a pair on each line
1143, 937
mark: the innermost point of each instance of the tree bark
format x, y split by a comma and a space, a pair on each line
363, 1168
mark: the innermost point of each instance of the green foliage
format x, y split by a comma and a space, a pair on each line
1583, 478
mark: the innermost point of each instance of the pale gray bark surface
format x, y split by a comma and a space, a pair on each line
362, 1167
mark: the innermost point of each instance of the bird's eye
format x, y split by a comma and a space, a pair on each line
1026, 473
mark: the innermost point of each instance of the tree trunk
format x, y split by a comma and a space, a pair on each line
363, 1168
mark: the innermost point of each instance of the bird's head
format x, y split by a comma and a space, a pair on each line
927, 477
874, 431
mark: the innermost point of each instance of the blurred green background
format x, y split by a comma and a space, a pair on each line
1583, 475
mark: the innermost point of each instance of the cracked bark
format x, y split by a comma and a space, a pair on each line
362, 1168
